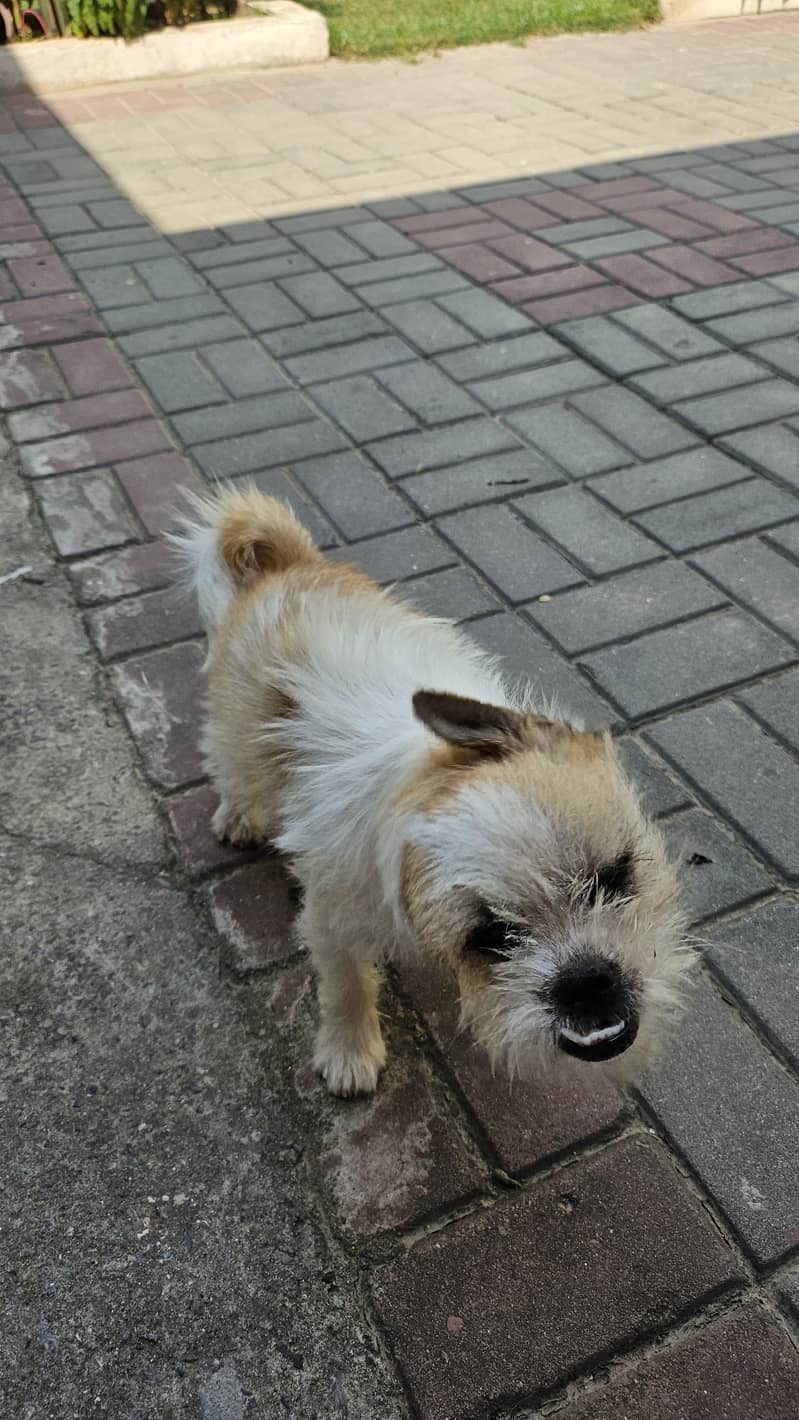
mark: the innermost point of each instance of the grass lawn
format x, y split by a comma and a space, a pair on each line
369, 28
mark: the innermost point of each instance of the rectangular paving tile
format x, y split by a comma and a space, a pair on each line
362, 409
610, 345
454, 592
479, 480
527, 386
322, 334
645, 485
263, 306
426, 326
592, 536
736, 409
686, 661
271, 448
353, 495
739, 1147
574, 443
509, 553
712, 517
242, 416
395, 556
484, 314
154, 486
711, 745
359, 357
243, 367
775, 702
139, 567
773, 448
698, 377
161, 695
716, 873
528, 659
756, 955
427, 393
139, 623
659, 789
634, 422
86, 512
668, 332
727, 300
434, 448
624, 606
520, 352
178, 381
761, 578
460, 1346
319, 294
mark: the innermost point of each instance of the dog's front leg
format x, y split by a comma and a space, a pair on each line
349, 1050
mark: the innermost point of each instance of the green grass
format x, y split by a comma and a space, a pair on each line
367, 29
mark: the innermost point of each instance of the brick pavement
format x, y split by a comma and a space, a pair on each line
564, 408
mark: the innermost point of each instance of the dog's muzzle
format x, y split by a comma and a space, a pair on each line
595, 1010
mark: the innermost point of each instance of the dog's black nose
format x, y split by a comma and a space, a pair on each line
595, 1008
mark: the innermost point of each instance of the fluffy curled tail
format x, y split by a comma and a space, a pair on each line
235, 537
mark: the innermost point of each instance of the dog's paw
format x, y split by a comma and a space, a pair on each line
348, 1072
235, 828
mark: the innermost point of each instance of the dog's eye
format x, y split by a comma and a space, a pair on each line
491, 938
613, 881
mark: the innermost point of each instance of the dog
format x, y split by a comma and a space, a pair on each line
426, 807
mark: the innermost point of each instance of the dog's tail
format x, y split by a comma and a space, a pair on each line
235, 537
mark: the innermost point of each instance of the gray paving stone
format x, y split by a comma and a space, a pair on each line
697, 377
522, 352
736, 409
645, 485
428, 327
624, 606
412, 288
115, 286
660, 792
782, 354
263, 270
434, 448
743, 771
317, 221
242, 416
683, 662
454, 593
86, 512
668, 332
243, 367
609, 345
188, 335
169, 276
98, 257
393, 268
633, 422
395, 556
243, 252
479, 480
361, 408
361, 357
787, 539
713, 517
126, 319
330, 248
575, 444
756, 954
353, 495
716, 873
427, 393
102, 241
566, 233
639, 239
381, 240
728, 1113
484, 314
178, 381
761, 578
527, 658
508, 553
588, 533
727, 300
775, 702
526, 386
322, 334
268, 449
762, 324
263, 306
773, 448
320, 295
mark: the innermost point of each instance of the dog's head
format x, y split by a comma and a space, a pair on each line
532, 869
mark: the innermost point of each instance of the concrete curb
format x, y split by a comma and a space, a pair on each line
286, 33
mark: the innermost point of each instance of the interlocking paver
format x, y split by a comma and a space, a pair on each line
593, 537
726, 512
624, 606
774, 703
484, 314
509, 554
428, 327
515, 353
454, 593
717, 874
435, 448
634, 422
427, 393
773, 448
398, 555
479, 480
693, 378
272, 448
353, 495
668, 332
178, 381
660, 791
139, 567
648, 484
242, 416
576, 445
86, 512
524, 387
527, 658
610, 346
756, 956
735, 409
243, 367
760, 578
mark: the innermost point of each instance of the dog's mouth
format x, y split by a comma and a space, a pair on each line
601, 1043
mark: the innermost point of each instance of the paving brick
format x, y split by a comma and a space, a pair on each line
736, 409
317, 221
242, 416
116, 213
762, 579
457, 216
499, 357
322, 334
745, 243
460, 1346
763, 323
124, 320
90, 450
75, 415
161, 695
380, 239
178, 381
576, 304
254, 912
86, 512
354, 497
428, 327
726, 512
624, 606
199, 849
263, 306
463, 234
788, 1289
411, 288
567, 205
773, 448
549, 283
398, 555
645, 485
168, 277
320, 295
40, 275
527, 386
710, 745
756, 956
222, 253
243, 367
787, 539
454, 593
768, 263
28, 377
641, 275
609, 345
668, 332
478, 480
590, 535
427, 393
775, 702
716, 873
480, 263
435, 448
638, 239
138, 623
698, 377
730, 1369
519, 212
660, 792
91, 366
111, 287
140, 567
782, 354
154, 485
188, 335
361, 408
484, 314
526, 1125
566, 233
394, 268
683, 662
633, 422
508, 553
567, 437
739, 1146
69, 218
264, 270
272, 448
361, 357
669, 224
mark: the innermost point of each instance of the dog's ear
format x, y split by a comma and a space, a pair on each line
471, 723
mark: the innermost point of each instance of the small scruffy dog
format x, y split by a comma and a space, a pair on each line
424, 807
